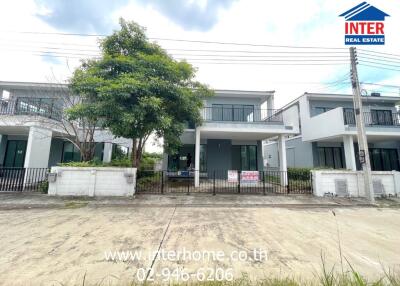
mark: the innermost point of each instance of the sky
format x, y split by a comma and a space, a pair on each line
42, 55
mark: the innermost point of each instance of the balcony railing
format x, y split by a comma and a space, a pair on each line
379, 118
46, 107
245, 114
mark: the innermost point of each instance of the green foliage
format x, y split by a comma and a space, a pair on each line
138, 89
148, 161
43, 187
300, 174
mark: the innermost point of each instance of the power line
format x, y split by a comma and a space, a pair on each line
379, 63
183, 40
379, 53
378, 67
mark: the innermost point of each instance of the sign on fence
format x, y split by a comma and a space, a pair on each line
249, 177
233, 176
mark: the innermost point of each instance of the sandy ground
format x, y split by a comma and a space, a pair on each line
47, 246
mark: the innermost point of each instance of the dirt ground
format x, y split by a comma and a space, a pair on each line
47, 246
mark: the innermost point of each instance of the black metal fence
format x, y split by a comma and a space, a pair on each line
23, 179
375, 118
222, 181
46, 107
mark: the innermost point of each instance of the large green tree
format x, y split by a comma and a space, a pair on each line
140, 90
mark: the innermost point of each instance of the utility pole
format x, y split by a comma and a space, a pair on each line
363, 152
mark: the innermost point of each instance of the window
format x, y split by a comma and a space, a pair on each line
203, 158
236, 112
381, 117
349, 117
320, 110
331, 157
70, 153
384, 159
248, 157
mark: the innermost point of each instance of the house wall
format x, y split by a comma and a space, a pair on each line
299, 154
233, 100
324, 182
270, 153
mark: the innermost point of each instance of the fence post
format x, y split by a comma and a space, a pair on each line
288, 184
263, 174
162, 182
188, 184
214, 184
239, 174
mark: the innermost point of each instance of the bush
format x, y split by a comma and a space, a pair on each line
301, 174
43, 187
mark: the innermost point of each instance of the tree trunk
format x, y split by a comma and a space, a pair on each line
134, 155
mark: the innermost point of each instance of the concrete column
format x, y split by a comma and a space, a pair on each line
270, 105
107, 152
349, 153
282, 159
197, 159
38, 148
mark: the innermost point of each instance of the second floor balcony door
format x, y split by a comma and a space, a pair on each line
381, 117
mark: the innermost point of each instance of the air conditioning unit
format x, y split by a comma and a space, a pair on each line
379, 188
341, 188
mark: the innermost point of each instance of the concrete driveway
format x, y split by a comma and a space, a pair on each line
64, 245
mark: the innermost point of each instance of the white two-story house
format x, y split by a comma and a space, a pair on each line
328, 135
230, 138
31, 131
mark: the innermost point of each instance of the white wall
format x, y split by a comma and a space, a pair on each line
87, 181
324, 182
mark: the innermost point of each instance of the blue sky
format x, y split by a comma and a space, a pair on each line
284, 22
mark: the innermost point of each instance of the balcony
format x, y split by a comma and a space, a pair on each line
374, 118
242, 115
45, 107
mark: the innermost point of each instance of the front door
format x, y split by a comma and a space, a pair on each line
15, 154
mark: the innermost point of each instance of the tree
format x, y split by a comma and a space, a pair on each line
140, 90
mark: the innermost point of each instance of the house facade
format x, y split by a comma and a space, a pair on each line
230, 138
328, 135
32, 134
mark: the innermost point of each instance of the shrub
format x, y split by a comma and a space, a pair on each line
43, 187
301, 174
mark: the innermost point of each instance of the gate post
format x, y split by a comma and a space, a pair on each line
263, 174
188, 184
239, 175
162, 182
214, 184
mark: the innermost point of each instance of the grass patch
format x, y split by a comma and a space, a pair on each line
75, 204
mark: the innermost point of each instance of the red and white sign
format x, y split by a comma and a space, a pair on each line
249, 177
233, 176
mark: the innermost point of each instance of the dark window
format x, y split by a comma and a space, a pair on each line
203, 158
70, 153
381, 117
229, 112
331, 157
15, 153
248, 157
384, 159
320, 110
349, 117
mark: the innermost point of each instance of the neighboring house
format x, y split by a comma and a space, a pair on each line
234, 125
31, 132
328, 135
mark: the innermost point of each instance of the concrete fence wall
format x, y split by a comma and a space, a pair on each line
327, 182
88, 181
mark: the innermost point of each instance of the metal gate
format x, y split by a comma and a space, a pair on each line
221, 181
22, 179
